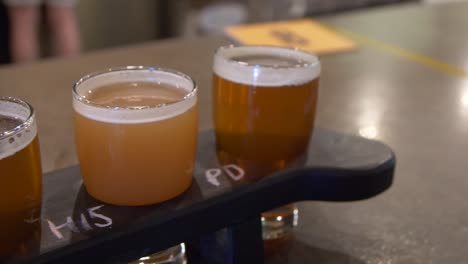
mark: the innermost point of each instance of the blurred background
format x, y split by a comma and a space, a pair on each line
110, 23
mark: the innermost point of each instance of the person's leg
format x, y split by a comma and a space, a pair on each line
64, 27
4, 35
24, 20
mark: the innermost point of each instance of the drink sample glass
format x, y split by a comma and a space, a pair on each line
20, 167
264, 111
136, 134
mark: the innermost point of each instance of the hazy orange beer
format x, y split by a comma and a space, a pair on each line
136, 133
21, 175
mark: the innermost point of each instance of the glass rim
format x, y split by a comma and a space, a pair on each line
247, 64
24, 124
92, 75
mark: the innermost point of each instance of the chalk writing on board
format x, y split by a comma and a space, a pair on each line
34, 216
70, 224
234, 172
99, 221
212, 176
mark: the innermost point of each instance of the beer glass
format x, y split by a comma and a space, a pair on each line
173, 255
264, 109
136, 134
20, 167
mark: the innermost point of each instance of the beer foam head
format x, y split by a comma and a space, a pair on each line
17, 126
266, 66
133, 115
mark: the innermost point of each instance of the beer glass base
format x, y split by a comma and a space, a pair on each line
272, 247
173, 255
277, 227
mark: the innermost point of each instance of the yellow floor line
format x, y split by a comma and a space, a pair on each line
406, 54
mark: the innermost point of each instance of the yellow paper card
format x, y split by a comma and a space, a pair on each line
304, 34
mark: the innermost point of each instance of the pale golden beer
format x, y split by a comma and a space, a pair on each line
264, 110
264, 106
136, 134
21, 177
